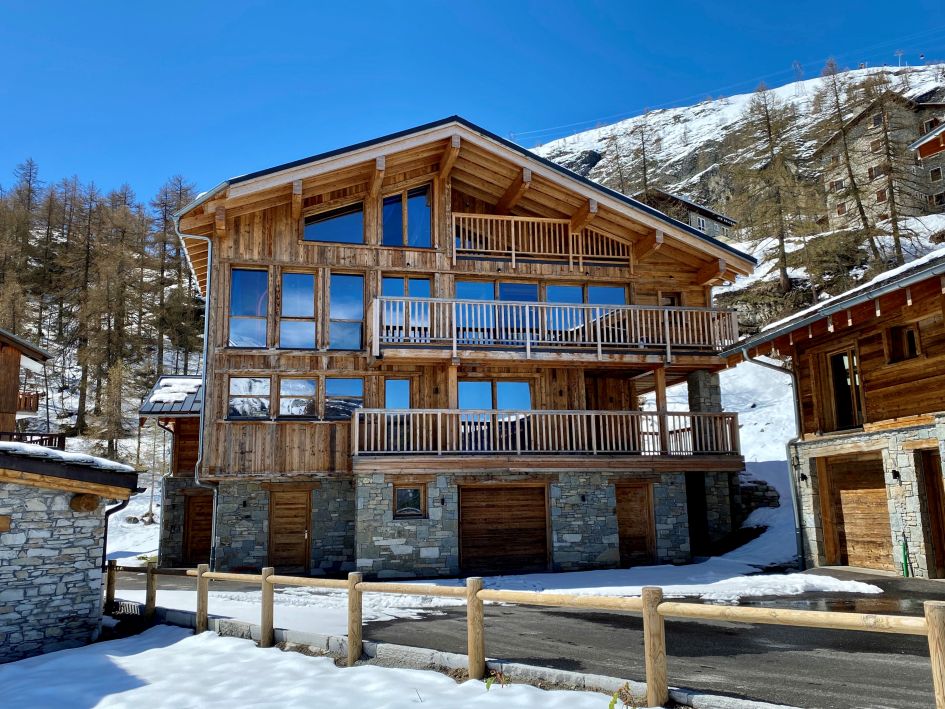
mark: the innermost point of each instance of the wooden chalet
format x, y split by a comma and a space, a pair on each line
426, 356
869, 367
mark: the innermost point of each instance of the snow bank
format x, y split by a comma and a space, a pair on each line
169, 667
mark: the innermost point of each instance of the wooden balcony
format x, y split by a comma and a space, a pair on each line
458, 328
438, 432
47, 440
520, 238
28, 401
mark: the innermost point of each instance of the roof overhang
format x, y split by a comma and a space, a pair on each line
932, 143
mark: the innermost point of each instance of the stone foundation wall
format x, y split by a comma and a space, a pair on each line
173, 507
672, 519
242, 526
333, 549
583, 522
50, 572
719, 503
906, 500
754, 494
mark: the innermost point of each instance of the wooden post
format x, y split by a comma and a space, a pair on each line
203, 593
659, 379
110, 577
268, 599
935, 619
475, 636
654, 648
354, 618
150, 594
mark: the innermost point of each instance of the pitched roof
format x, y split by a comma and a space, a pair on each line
897, 97
701, 208
928, 266
507, 144
174, 396
931, 135
26, 348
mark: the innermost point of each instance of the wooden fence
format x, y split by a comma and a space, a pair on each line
651, 605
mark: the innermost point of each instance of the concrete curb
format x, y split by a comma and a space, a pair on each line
424, 659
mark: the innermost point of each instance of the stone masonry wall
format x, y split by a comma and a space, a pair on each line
583, 522
242, 526
173, 507
50, 572
333, 527
672, 519
705, 391
906, 500
718, 503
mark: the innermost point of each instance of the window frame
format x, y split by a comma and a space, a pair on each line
877, 123
841, 208
884, 198
932, 171
494, 382
403, 193
327, 210
265, 318
325, 398
330, 319
277, 409
230, 396
423, 509
316, 284
876, 145
897, 341
857, 399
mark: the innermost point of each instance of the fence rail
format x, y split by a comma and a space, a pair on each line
650, 604
47, 440
518, 238
27, 401
521, 326
542, 432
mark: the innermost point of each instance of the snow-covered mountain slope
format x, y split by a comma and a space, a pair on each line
686, 145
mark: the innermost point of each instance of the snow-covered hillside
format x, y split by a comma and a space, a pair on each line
686, 144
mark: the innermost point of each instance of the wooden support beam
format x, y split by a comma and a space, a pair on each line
219, 222
711, 272
377, 177
515, 191
296, 200
647, 246
583, 216
449, 157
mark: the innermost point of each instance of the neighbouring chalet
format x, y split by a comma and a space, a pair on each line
696, 215
426, 356
869, 368
932, 143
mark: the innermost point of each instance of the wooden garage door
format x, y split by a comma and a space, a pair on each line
635, 523
289, 515
198, 526
503, 529
859, 514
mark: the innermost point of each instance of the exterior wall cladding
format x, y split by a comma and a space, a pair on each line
906, 499
50, 572
353, 527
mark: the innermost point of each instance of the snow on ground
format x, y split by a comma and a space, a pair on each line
170, 667
127, 541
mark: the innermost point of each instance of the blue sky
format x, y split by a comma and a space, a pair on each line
135, 92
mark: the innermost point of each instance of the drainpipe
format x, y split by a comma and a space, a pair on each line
108, 513
214, 487
789, 447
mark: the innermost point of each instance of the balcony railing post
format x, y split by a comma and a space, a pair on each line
376, 325
593, 425
512, 238
666, 329
597, 333
439, 433
528, 335
355, 433
455, 326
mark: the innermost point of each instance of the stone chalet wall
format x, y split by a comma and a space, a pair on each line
50, 573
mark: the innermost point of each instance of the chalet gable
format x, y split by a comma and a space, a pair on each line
486, 168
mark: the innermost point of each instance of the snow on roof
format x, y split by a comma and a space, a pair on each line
172, 389
31, 450
174, 395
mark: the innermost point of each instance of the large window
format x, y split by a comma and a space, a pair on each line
297, 398
344, 225
410, 501
495, 394
342, 397
845, 378
408, 218
606, 295
249, 307
396, 393
346, 312
297, 316
248, 398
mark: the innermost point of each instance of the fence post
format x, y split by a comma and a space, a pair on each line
935, 619
150, 594
268, 599
110, 573
475, 636
203, 593
654, 648
354, 618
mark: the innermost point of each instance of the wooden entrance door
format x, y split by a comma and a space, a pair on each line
198, 527
290, 513
856, 513
503, 529
935, 500
635, 525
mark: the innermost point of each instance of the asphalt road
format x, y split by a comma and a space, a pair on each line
795, 666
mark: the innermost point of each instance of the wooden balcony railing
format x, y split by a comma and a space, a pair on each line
533, 238
492, 432
442, 322
27, 401
47, 440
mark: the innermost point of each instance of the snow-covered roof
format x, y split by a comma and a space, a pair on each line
31, 450
174, 396
695, 206
927, 266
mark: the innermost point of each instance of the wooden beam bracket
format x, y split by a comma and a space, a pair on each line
514, 193
449, 157
582, 217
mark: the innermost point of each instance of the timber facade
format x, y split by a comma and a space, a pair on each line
870, 368
427, 356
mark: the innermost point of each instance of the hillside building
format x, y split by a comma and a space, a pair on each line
426, 355
698, 216
878, 140
869, 369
